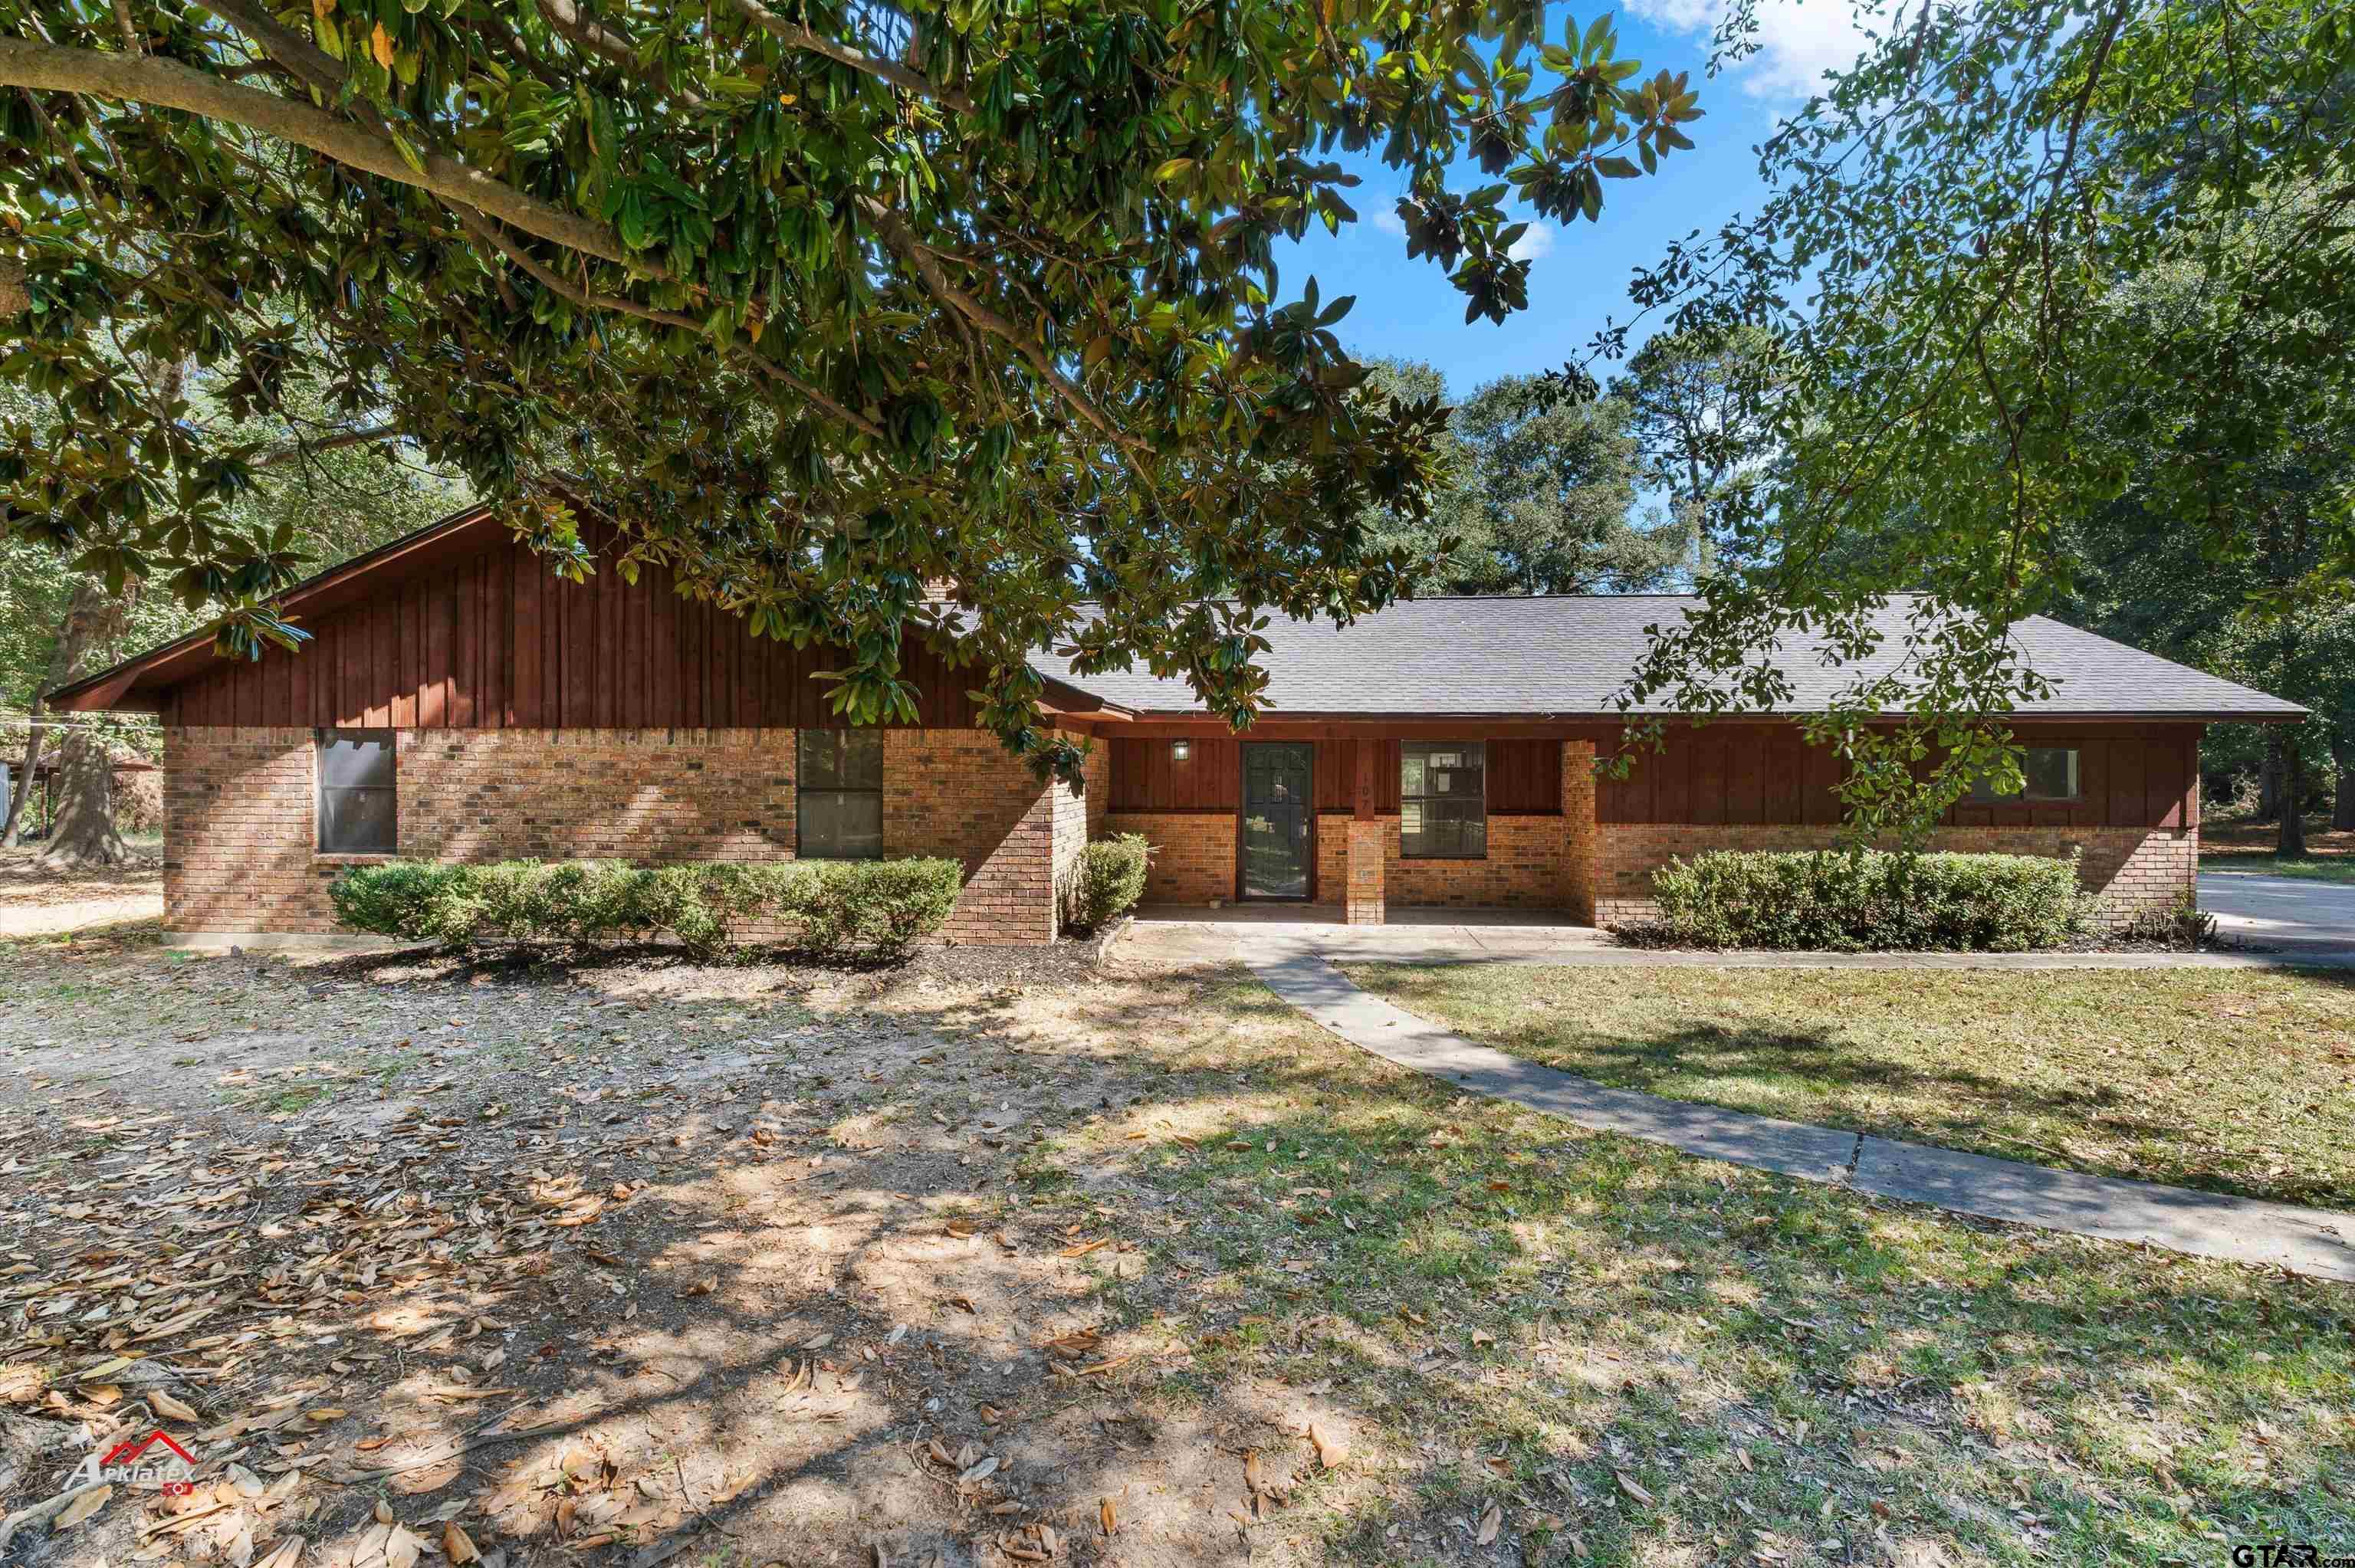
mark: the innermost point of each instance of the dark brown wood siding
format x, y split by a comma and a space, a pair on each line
1337, 774
494, 641
1525, 778
1524, 775
1147, 777
2127, 778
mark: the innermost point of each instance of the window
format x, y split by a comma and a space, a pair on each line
838, 786
1443, 800
2049, 771
356, 792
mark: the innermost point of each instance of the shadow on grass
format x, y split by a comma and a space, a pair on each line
1663, 1356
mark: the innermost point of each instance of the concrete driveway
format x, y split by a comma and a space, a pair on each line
2286, 911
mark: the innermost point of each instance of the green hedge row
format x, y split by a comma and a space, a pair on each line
1109, 882
887, 905
1866, 902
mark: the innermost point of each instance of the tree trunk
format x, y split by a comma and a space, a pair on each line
2291, 768
2269, 782
93, 617
23, 790
83, 833
2342, 796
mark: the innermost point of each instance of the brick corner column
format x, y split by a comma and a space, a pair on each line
1363, 903
1579, 840
1365, 906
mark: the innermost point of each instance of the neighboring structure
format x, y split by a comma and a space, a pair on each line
136, 795
458, 702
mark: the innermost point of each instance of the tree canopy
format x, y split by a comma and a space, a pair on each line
1536, 493
816, 303
1959, 386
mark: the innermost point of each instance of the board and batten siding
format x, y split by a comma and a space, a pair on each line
1730, 775
1524, 775
2138, 777
494, 641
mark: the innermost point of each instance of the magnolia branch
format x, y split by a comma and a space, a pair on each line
489, 234
307, 449
897, 75
148, 79
909, 248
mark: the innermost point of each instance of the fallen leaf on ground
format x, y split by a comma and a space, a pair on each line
1490, 1523
81, 1508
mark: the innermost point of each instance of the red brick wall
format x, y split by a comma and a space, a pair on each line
1194, 853
1073, 811
240, 826
958, 792
1524, 869
2134, 869
1579, 843
1365, 871
238, 830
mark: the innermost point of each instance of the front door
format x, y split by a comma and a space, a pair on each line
1279, 819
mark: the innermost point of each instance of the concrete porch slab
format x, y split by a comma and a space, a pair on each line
1412, 936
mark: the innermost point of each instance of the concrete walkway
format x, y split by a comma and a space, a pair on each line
1463, 936
2206, 1225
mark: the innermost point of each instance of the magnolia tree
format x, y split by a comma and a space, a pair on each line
814, 303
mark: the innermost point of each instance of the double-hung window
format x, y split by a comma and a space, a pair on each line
2047, 773
356, 800
1443, 800
838, 793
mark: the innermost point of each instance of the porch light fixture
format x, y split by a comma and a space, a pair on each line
1179, 750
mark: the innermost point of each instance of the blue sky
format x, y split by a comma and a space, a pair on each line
1578, 276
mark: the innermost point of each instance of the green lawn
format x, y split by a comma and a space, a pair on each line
2314, 868
1637, 1357
2232, 1081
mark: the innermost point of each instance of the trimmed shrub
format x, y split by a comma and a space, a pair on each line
886, 905
1108, 883
1866, 901
394, 899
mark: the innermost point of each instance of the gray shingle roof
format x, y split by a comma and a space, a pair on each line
1568, 655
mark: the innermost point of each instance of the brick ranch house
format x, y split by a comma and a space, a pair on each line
458, 702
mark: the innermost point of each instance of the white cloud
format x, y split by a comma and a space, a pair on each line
1535, 244
1799, 40
1386, 221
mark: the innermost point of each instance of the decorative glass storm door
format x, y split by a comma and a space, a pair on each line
1278, 817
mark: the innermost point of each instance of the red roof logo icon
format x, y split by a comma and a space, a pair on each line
128, 1451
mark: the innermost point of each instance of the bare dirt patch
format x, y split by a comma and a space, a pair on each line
39, 899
